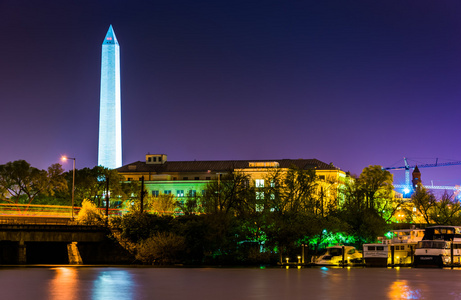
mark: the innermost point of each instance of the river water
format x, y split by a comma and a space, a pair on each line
71, 283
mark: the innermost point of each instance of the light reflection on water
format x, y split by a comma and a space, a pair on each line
113, 284
73, 283
64, 284
402, 290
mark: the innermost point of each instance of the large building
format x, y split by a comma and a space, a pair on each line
110, 124
189, 178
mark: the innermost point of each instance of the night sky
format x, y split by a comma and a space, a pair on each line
355, 83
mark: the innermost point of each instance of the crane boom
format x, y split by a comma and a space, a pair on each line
437, 164
408, 187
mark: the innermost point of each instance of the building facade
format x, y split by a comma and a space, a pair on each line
189, 178
110, 124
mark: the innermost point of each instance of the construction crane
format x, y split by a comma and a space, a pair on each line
408, 187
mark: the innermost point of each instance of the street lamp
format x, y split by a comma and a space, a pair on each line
65, 158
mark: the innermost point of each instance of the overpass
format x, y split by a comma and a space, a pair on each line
53, 241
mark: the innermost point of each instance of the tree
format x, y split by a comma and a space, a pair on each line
293, 191
162, 204
377, 187
230, 194
23, 183
92, 184
424, 201
376, 184
446, 211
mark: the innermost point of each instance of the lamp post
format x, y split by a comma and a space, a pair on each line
65, 158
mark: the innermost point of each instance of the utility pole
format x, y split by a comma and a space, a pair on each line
107, 199
142, 194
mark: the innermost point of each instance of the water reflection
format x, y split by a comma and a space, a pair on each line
401, 290
64, 284
113, 284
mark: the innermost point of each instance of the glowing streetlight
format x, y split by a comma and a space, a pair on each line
65, 158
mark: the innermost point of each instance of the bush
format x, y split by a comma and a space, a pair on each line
89, 214
161, 248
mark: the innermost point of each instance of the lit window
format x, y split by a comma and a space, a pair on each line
259, 183
259, 195
179, 193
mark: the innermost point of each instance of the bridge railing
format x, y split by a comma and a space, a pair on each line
47, 211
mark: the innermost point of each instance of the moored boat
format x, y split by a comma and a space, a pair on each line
339, 255
399, 249
441, 246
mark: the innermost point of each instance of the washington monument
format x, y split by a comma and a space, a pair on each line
110, 120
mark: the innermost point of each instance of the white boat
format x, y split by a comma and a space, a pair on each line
334, 256
397, 250
441, 246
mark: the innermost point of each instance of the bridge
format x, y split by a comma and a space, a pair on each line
41, 240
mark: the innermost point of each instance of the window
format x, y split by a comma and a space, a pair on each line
259, 183
154, 193
322, 177
129, 178
149, 159
196, 178
167, 192
192, 193
185, 178
259, 195
179, 193
371, 248
155, 159
160, 159
207, 178
380, 248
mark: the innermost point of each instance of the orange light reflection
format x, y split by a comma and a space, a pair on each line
64, 284
401, 290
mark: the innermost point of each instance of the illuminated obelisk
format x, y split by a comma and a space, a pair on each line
110, 120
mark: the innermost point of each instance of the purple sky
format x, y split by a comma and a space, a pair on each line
349, 82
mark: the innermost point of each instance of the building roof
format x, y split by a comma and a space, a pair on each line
220, 165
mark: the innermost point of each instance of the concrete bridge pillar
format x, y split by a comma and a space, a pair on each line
22, 257
74, 254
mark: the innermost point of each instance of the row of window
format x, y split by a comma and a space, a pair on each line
195, 178
179, 193
174, 178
